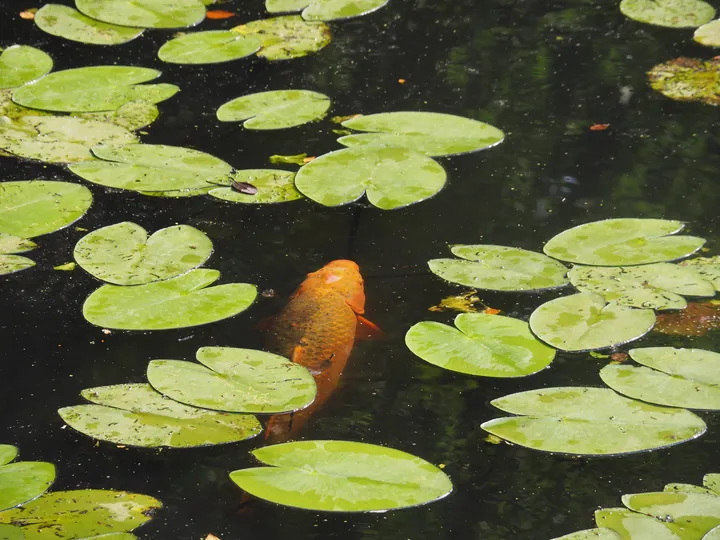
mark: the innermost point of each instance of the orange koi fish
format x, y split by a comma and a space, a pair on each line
317, 329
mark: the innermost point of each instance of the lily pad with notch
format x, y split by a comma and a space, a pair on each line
688, 79
9, 246
325, 10
21, 64
270, 186
697, 513
69, 23
287, 37
209, 47
670, 13
22, 481
145, 14
276, 109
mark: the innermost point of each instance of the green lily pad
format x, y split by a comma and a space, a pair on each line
687, 378
591, 534
630, 525
672, 13
688, 79
82, 513
137, 415
652, 286
694, 511
687, 488
8, 453
391, 177
90, 89
485, 345
145, 14
707, 267
235, 380
590, 421
21, 64
284, 38
272, 185
432, 134
623, 242
178, 302
708, 34
325, 10
152, 167
179, 193
132, 116
14, 263
9, 264
23, 481
31, 208
69, 23
11, 532
500, 268
342, 476
124, 255
712, 481
585, 322
210, 47
276, 109
713, 534
15, 244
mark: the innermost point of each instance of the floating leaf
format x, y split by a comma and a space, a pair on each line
283, 38
235, 380
152, 167
391, 177
325, 10
686, 488
21, 64
696, 512
145, 14
10, 532
653, 286
96, 88
9, 264
464, 303
688, 79
277, 109
687, 378
712, 482
500, 268
210, 47
23, 481
591, 534
124, 255
30, 208
628, 524
132, 116
8, 453
672, 13
583, 322
707, 267
15, 244
485, 345
432, 134
178, 302
293, 159
137, 415
590, 421
82, 513
69, 23
14, 263
272, 185
341, 476
713, 534
708, 34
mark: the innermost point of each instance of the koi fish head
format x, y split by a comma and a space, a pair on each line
340, 277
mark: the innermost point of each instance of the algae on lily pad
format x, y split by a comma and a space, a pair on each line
500, 268
9, 245
123, 254
209, 47
269, 186
325, 10
585, 322
21, 64
69, 23
342, 476
688, 79
707, 267
179, 302
432, 134
137, 415
390, 177
484, 345
688, 378
276, 109
671, 13
235, 380
287, 37
22, 481
145, 14
590, 421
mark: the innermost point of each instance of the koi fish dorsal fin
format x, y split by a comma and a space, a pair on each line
367, 330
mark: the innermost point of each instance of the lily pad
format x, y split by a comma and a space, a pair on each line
432, 134
145, 14
712, 481
152, 167
9, 264
14, 263
485, 345
10, 532
688, 79
687, 378
590, 421
178, 302
69, 23
653, 286
273, 186
342, 476
124, 255
276, 109
592, 534
500, 268
82, 513
23, 481
89, 89
8, 453
235, 380
137, 415
707, 267
31, 208
391, 177
687, 488
284, 38
708, 34
132, 116
694, 511
325, 10
672, 13
629, 524
210, 47
21, 64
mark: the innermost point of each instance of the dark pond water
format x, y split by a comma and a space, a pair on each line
543, 72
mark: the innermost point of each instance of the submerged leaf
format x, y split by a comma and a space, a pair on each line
21, 64
672, 13
145, 14
697, 319
325, 10
269, 186
209, 47
276, 109
283, 38
688, 79
69, 23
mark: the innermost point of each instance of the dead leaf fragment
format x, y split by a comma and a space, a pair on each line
465, 303
341, 119
697, 319
244, 187
28, 14
219, 14
599, 127
619, 357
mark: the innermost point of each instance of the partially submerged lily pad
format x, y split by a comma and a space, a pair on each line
137, 415
10, 244
688, 79
697, 319
276, 109
590, 421
283, 38
342, 476
672, 13
432, 134
21, 64
272, 185
23, 481
145, 14
209, 47
69, 23
325, 10
391, 177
